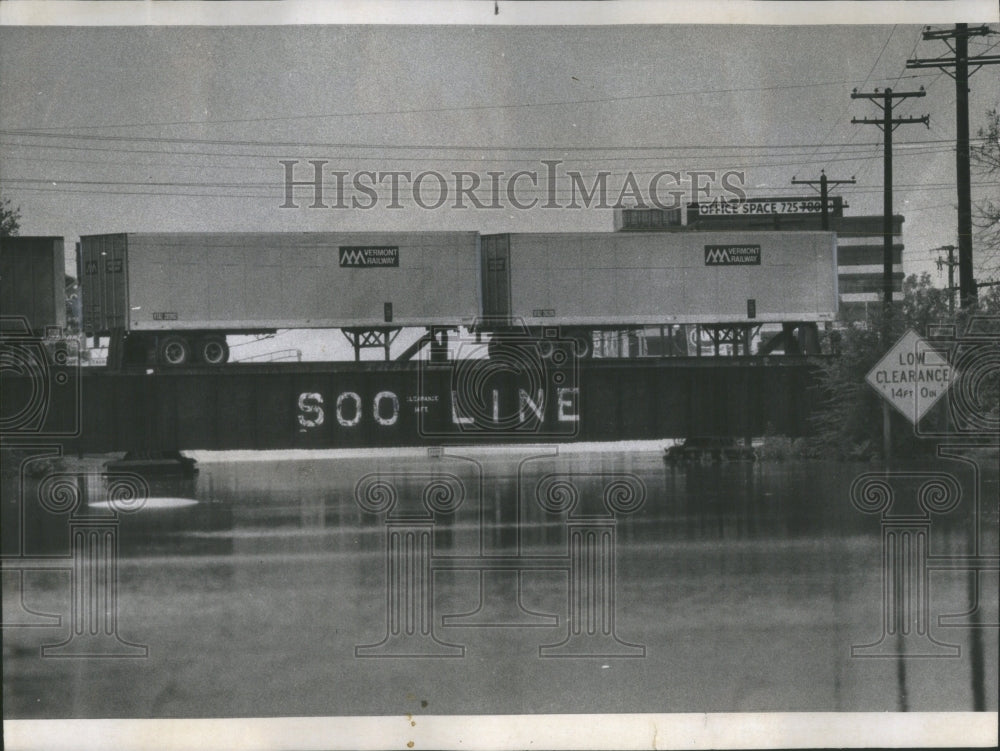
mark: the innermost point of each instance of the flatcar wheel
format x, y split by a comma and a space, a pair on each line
213, 350
174, 351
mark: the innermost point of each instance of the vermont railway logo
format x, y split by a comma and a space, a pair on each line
364, 256
731, 255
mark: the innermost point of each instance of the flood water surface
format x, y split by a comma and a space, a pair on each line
494, 583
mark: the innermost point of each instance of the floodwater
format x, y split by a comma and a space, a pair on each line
498, 582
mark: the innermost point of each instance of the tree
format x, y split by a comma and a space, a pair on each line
848, 422
986, 162
10, 218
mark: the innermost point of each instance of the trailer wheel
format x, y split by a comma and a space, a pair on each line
213, 350
174, 351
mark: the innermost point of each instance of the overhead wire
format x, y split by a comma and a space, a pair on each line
457, 108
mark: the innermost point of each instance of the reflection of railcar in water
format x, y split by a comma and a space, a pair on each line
174, 298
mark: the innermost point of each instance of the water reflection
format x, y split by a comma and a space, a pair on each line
747, 585
148, 511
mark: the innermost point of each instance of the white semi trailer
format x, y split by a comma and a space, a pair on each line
723, 280
179, 295
176, 297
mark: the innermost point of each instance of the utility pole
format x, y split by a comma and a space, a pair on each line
960, 61
888, 124
951, 263
824, 184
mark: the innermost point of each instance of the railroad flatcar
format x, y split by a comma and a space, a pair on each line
173, 298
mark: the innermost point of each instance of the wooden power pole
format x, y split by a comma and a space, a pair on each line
888, 124
957, 66
824, 184
951, 263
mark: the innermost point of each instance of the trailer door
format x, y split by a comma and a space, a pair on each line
495, 266
105, 283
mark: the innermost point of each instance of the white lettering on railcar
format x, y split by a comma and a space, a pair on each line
311, 414
312, 411
525, 400
349, 423
455, 416
377, 407
566, 403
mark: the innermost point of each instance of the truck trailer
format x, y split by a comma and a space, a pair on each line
33, 285
177, 296
585, 282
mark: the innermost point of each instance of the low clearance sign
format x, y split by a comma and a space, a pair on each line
912, 376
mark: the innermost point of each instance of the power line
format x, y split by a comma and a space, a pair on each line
868, 163
273, 191
824, 182
459, 108
705, 161
960, 62
836, 120
375, 183
418, 147
887, 123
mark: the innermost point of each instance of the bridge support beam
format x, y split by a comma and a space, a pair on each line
375, 338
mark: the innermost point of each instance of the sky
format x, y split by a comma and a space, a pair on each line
147, 129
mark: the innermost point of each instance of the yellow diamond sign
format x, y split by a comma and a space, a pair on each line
912, 376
